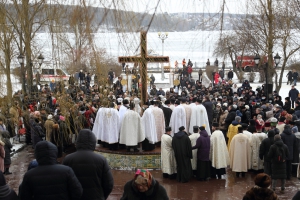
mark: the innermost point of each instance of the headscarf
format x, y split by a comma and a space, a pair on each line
146, 176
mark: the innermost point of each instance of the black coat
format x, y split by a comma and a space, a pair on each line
182, 147
209, 109
6, 193
91, 169
230, 74
293, 94
155, 192
278, 168
289, 140
49, 180
265, 147
167, 115
7, 149
230, 117
37, 132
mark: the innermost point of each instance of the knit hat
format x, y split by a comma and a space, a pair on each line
262, 180
62, 118
268, 124
50, 116
273, 120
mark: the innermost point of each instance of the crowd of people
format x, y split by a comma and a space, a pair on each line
200, 130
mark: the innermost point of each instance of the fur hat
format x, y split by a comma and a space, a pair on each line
262, 180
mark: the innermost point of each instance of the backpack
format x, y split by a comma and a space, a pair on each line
280, 154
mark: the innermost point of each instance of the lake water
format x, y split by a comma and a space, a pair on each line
195, 45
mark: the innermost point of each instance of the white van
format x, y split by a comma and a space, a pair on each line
48, 75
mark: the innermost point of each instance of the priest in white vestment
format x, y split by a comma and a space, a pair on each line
137, 107
199, 117
188, 112
240, 153
193, 137
148, 121
255, 141
168, 162
132, 130
107, 125
123, 109
159, 120
245, 132
178, 118
219, 154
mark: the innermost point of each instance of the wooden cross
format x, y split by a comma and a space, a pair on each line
143, 60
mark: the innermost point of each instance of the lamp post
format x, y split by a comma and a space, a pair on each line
163, 37
277, 59
21, 61
40, 59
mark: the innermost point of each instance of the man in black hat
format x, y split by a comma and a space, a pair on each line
182, 147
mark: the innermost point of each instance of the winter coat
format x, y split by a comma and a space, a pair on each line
155, 192
296, 150
209, 109
293, 94
222, 120
49, 180
230, 74
7, 147
289, 140
287, 106
91, 169
2, 156
230, 118
265, 147
37, 132
203, 146
6, 193
278, 168
259, 193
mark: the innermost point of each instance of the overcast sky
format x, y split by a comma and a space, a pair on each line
172, 6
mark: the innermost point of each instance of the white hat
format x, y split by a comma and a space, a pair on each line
225, 104
50, 116
247, 107
218, 104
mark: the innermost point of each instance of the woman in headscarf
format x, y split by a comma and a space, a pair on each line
144, 186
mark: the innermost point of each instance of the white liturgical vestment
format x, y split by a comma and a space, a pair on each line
178, 119
148, 121
199, 118
107, 125
132, 130
168, 162
159, 121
